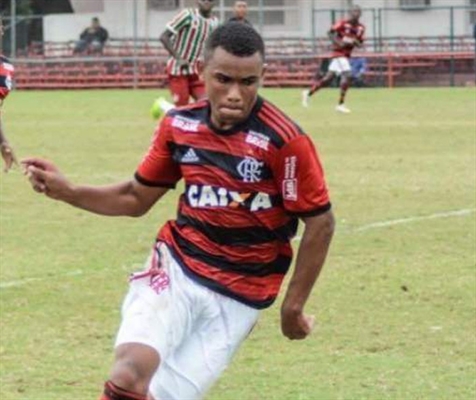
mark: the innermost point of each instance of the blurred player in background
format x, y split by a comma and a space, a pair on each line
6, 76
345, 36
184, 38
240, 11
250, 174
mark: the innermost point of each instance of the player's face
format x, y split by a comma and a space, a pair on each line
240, 9
232, 84
355, 14
205, 5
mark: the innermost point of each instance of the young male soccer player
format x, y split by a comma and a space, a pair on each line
6, 76
250, 173
240, 11
184, 38
345, 36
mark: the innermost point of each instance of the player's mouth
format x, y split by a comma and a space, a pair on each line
231, 111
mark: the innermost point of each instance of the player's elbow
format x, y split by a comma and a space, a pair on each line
137, 211
165, 37
320, 227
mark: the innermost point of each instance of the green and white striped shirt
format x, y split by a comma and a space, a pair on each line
191, 30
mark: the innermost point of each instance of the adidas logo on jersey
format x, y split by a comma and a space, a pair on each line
190, 157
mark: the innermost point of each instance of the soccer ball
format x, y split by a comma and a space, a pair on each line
156, 111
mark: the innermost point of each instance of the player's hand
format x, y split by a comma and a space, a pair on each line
295, 325
46, 178
182, 63
8, 156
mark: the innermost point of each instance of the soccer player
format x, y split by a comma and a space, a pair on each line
184, 38
6, 76
240, 11
250, 174
345, 36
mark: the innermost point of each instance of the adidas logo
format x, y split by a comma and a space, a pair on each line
190, 157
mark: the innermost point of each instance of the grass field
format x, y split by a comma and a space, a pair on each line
395, 304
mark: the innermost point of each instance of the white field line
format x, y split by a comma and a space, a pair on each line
26, 281
21, 282
375, 225
391, 222
408, 220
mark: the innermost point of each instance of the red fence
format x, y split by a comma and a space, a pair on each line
291, 63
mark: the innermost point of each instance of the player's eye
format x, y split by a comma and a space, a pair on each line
249, 81
223, 78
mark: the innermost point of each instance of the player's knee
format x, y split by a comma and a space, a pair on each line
134, 368
128, 374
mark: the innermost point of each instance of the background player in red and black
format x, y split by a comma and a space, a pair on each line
250, 174
6, 76
345, 36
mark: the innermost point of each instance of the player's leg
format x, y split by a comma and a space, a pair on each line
134, 366
178, 85
344, 84
155, 319
194, 367
197, 87
318, 84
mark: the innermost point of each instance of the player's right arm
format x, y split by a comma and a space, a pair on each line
183, 19
334, 35
129, 198
156, 174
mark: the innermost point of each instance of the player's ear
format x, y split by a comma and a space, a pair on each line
263, 72
201, 69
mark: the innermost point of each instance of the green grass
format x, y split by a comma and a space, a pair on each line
395, 305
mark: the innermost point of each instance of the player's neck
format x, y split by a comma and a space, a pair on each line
205, 14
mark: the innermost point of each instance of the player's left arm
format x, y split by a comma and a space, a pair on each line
359, 40
301, 179
310, 260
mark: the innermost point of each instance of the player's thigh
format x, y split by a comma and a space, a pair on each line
196, 365
197, 87
179, 88
339, 65
156, 312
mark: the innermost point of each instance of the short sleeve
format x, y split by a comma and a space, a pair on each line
158, 167
361, 34
6, 79
181, 20
300, 177
337, 27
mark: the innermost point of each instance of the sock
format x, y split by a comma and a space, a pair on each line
113, 392
343, 91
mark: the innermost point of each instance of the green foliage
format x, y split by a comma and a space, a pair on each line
395, 305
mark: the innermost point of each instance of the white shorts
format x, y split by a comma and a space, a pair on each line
195, 331
339, 65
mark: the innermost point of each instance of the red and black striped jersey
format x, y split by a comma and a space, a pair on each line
345, 29
6, 77
244, 191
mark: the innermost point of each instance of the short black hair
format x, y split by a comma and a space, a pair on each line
236, 38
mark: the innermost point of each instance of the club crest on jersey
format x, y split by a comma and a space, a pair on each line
258, 139
250, 169
185, 124
210, 196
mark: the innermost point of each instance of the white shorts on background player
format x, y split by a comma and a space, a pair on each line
339, 65
196, 331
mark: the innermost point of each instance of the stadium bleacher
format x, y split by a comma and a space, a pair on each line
291, 62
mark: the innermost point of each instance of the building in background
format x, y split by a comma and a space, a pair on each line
274, 18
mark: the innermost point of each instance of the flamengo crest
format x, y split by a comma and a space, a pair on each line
250, 170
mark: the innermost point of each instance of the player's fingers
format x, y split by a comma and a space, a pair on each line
37, 173
38, 162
